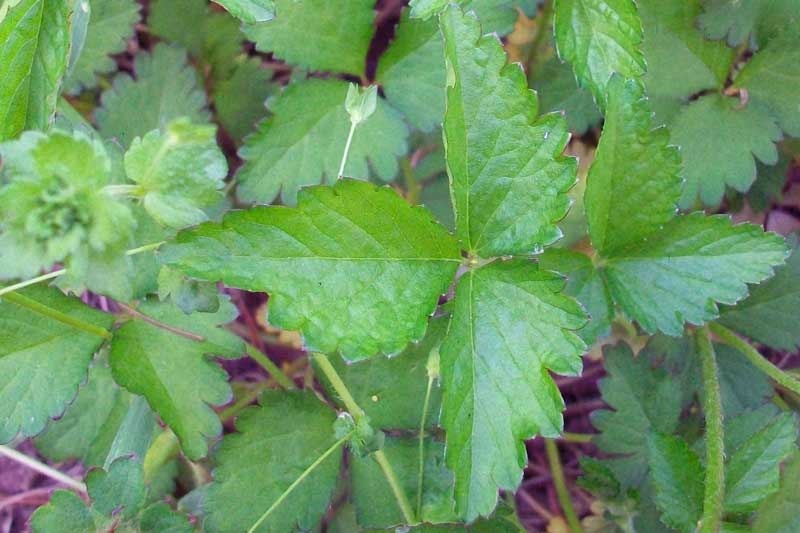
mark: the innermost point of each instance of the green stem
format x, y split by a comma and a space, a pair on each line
36, 307
42, 468
561, 486
347, 148
413, 188
580, 438
421, 472
336, 445
715, 446
33, 281
145, 248
397, 490
246, 399
271, 368
732, 339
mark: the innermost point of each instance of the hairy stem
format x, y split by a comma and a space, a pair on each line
732, 339
153, 322
347, 148
271, 368
42, 468
36, 307
715, 446
561, 486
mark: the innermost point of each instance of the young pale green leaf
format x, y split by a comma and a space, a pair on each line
275, 445
240, 101
42, 362
111, 24
360, 104
251, 11
87, 429
780, 513
302, 142
318, 34
180, 172
173, 371
678, 479
508, 177
599, 38
771, 78
768, 314
634, 166
412, 72
354, 267
507, 316
555, 85
681, 272
33, 60
738, 20
391, 390
165, 88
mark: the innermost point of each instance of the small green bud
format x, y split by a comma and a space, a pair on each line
360, 105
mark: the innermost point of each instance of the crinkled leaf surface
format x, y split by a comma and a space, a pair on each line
555, 85
42, 361
34, 51
780, 513
678, 478
318, 34
354, 266
599, 38
738, 20
508, 316
302, 143
274, 445
165, 88
111, 24
174, 373
508, 177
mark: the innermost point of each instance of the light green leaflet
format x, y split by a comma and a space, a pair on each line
354, 267
509, 179
250, 10
34, 51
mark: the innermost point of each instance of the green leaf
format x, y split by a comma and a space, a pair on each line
742, 385
768, 314
499, 16
90, 424
250, 10
173, 371
274, 446
42, 361
585, 283
318, 34
780, 513
507, 316
508, 177
111, 24
165, 88
599, 38
634, 166
737, 20
33, 60
188, 294
412, 72
180, 172
767, 190
557, 89
302, 142
240, 100
678, 274
770, 78
391, 390
354, 267
678, 479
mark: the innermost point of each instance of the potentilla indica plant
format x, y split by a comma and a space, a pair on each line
433, 253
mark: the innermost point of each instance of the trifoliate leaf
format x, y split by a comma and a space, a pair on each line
633, 166
555, 85
87, 429
771, 78
33, 60
584, 283
599, 38
507, 316
240, 101
737, 20
354, 267
42, 361
508, 177
780, 513
111, 24
678, 479
318, 34
372, 496
679, 273
179, 172
54, 208
768, 314
165, 88
274, 446
173, 371
302, 143
250, 10
412, 72
391, 390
